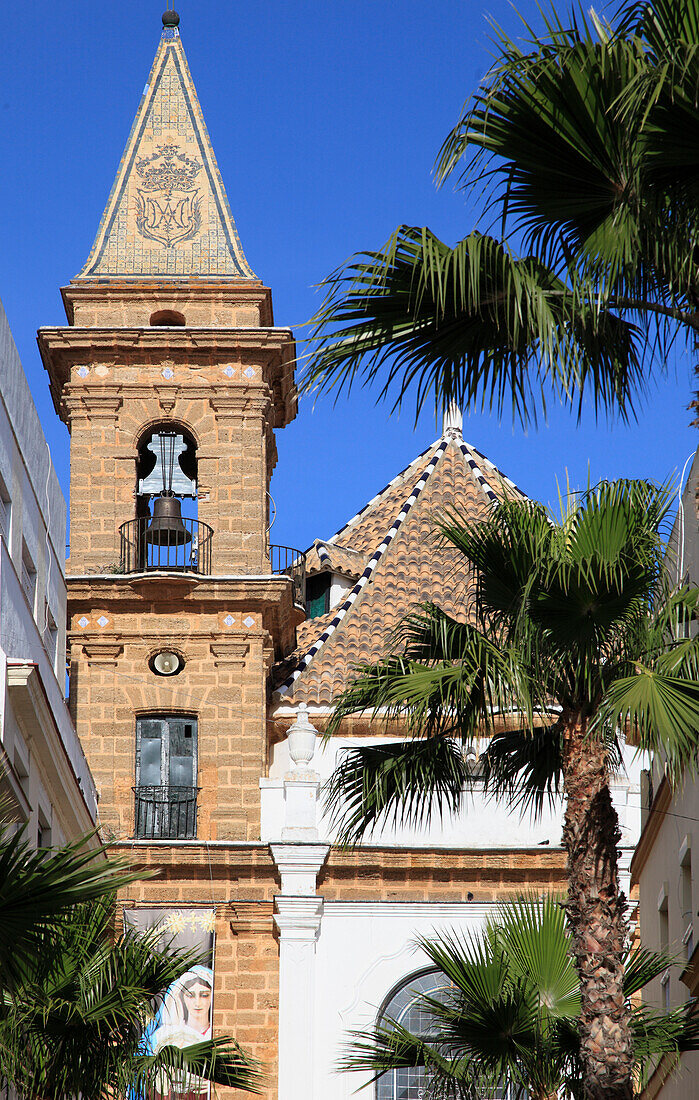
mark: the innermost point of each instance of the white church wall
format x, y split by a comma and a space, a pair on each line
364, 950
482, 823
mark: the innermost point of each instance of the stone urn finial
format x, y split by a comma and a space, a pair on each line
301, 739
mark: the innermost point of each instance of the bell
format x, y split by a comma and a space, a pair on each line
166, 527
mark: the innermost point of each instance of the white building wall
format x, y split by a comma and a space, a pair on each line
47, 773
339, 960
482, 823
364, 950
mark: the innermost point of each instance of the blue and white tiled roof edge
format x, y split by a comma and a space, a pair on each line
501, 477
370, 567
374, 500
474, 460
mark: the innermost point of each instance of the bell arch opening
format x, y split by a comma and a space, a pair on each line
166, 532
167, 318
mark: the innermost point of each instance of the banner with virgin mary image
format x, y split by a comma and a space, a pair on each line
183, 1015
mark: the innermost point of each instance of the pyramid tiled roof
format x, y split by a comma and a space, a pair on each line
404, 563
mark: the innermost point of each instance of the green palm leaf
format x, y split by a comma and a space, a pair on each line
403, 784
73, 1024
38, 887
471, 325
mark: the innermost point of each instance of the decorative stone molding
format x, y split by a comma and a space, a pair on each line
240, 401
101, 406
298, 919
251, 916
230, 653
299, 866
102, 653
167, 398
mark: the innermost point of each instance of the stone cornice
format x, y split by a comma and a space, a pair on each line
63, 348
656, 816
251, 916
189, 338
126, 593
230, 291
105, 399
298, 918
157, 587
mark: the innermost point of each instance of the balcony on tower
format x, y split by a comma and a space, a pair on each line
166, 534
165, 813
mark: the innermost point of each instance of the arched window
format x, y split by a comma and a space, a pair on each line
402, 1005
166, 463
167, 318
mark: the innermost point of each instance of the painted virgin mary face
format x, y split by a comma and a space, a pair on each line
197, 1002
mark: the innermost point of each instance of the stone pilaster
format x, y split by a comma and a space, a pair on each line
298, 917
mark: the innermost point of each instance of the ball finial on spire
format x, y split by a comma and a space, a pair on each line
170, 18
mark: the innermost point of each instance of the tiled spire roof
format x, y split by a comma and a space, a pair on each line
404, 564
167, 214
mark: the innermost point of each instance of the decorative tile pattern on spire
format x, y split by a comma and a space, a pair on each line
167, 214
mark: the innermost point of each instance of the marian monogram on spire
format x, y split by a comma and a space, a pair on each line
168, 200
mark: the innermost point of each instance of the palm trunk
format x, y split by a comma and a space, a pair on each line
596, 916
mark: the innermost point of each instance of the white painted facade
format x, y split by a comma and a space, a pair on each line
482, 822
44, 768
340, 960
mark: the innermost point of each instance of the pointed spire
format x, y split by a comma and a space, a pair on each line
167, 214
453, 421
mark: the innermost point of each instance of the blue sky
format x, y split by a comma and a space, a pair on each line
326, 119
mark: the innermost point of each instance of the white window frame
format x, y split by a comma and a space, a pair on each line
28, 577
5, 512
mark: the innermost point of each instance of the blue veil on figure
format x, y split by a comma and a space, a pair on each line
169, 1026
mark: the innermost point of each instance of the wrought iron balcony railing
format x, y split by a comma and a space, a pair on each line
165, 813
184, 546
284, 559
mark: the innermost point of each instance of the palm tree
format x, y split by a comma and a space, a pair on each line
508, 1012
73, 1024
572, 634
39, 887
580, 140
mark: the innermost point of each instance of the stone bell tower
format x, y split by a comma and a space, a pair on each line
172, 379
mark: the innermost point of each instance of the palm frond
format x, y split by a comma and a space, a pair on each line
220, 1060
524, 768
403, 784
38, 887
660, 704
448, 678
472, 325
74, 1024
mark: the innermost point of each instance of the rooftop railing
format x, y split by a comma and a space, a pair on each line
292, 563
185, 546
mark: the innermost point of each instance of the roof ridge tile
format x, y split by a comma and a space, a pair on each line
375, 499
371, 565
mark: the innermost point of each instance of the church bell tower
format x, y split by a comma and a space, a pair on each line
172, 379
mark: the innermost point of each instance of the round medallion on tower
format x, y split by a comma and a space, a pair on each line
171, 19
